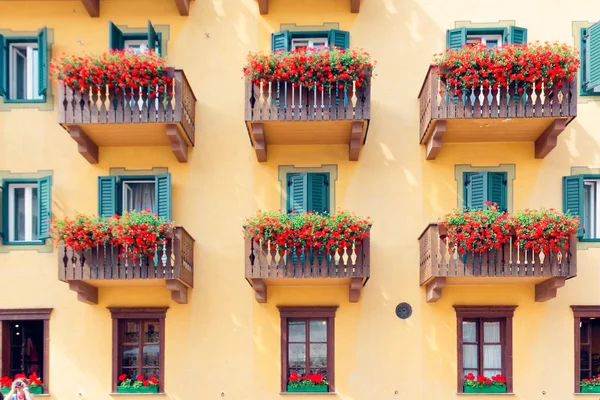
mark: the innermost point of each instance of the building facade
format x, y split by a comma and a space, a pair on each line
212, 328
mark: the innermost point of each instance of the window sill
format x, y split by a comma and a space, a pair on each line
9, 101
486, 394
307, 393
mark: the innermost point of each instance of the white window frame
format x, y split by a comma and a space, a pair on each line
28, 211
129, 43
31, 70
484, 39
126, 189
594, 184
313, 42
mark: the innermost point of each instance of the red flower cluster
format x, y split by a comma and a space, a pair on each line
533, 65
590, 382
119, 69
306, 380
140, 233
139, 381
482, 381
34, 380
544, 230
293, 232
314, 68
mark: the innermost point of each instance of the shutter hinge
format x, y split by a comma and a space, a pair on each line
586, 35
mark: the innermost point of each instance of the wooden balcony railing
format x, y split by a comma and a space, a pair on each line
494, 115
173, 264
279, 113
130, 118
548, 271
265, 266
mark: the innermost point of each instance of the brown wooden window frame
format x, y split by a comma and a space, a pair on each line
308, 313
581, 312
504, 314
120, 314
27, 314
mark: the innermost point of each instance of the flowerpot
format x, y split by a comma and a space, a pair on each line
308, 389
141, 389
32, 390
485, 389
4, 390
590, 389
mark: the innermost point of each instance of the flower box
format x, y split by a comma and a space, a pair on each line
141, 389
590, 389
32, 390
308, 389
485, 389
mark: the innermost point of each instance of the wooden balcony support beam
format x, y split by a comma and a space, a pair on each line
178, 144
183, 6
86, 147
92, 7
179, 291
354, 6
433, 290
356, 284
260, 144
549, 139
546, 290
85, 292
260, 289
263, 7
355, 140
434, 144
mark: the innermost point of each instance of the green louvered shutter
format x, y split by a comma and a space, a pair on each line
339, 38
496, 190
280, 41
163, 195
44, 206
573, 198
152, 38
318, 193
3, 212
115, 39
107, 196
296, 193
456, 38
476, 190
517, 35
592, 57
42, 41
3, 66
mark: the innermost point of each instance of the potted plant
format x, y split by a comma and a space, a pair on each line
82, 233
544, 230
482, 384
141, 233
137, 385
35, 383
307, 383
590, 385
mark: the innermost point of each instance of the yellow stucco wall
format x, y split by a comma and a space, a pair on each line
224, 345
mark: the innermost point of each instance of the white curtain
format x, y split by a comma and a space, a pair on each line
492, 353
470, 351
140, 196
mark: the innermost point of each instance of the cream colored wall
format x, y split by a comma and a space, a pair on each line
225, 345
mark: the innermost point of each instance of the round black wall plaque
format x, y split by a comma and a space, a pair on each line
403, 310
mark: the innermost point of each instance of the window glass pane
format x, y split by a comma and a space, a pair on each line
491, 43
131, 332
297, 331
491, 332
470, 371
296, 355
318, 355
151, 371
469, 332
488, 373
318, 331
20, 73
19, 228
139, 196
151, 332
130, 356
35, 220
150, 355
492, 356
470, 356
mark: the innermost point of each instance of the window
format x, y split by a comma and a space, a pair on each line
482, 187
137, 42
286, 40
307, 342
580, 198
587, 341
139, 348
27, 210
590, 56
24, 67
25, 337
117, 194
491, 37
484, 336
308, 192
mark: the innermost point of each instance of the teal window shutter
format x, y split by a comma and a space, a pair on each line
152, 38
44, 206
456, 38
4, 212
280, 41
3, 65
517, 35
115, 39
162, 192
339, 38
592, 57
573, 198
496, 190
297, 193
476, 190
42, 41
318, 193
107, 196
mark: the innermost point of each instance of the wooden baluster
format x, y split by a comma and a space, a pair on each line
145, 104
512, 100
548, 97
494, 105
485, 102
94, 105
77, 107
537, 108
263, 260
521, 100
556, 100
118, 107
503, 105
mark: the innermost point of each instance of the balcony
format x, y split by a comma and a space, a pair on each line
263, 6
538, 116
112, 119
280, 114
265, 267
106, 266
440, 268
